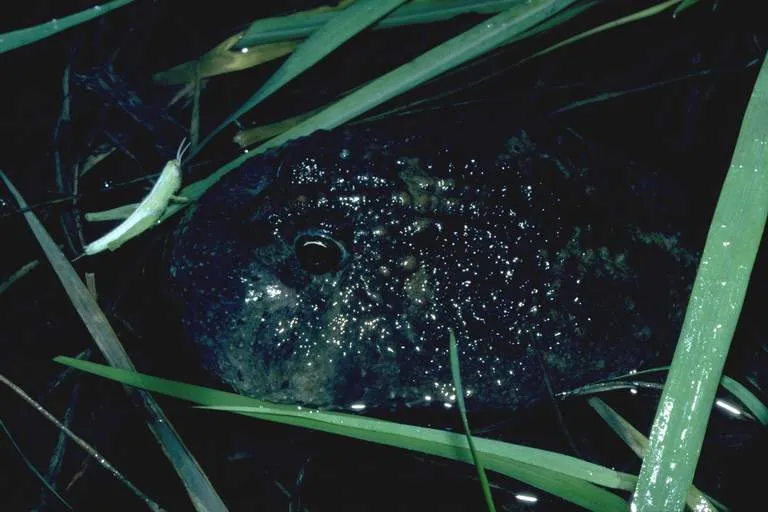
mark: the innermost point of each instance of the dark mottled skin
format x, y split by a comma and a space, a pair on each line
537, 256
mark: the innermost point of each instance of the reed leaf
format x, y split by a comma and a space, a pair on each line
711, 317
22, 37
567, 477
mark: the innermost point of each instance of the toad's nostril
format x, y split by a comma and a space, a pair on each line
319, 254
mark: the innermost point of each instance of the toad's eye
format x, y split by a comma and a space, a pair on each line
319, 254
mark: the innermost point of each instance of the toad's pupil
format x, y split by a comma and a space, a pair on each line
318, 254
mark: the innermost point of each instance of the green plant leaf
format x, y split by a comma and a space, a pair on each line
339, 29
454, 52
638, 443
683, 6
22, 37
710, 320
750, 401
568, 477
302, 24
635, 16
456, 374
201, 492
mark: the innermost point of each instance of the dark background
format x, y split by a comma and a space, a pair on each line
684, 84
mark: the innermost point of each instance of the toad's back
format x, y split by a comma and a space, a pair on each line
330, 272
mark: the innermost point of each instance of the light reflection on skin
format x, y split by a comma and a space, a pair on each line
459, 249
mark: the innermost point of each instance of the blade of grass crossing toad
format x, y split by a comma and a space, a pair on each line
459, 390
198, 486
453, 446
22, 37
711, 317
198, 394
454, 52
342, 27
570, 478
215, 398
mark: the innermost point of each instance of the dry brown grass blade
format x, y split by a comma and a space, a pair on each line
24, 270
638, 443
199, 488
90, 450
222, 59
251, 136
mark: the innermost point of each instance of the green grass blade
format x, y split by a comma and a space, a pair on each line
456, 374
572, 484
632, 437
562, 475
552, 22
303, 24
199, 488
454, 52
683, 6
339, 29
20, 273
746, 397
636, 16
12, 40
198, 394
710, 320
638, 443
